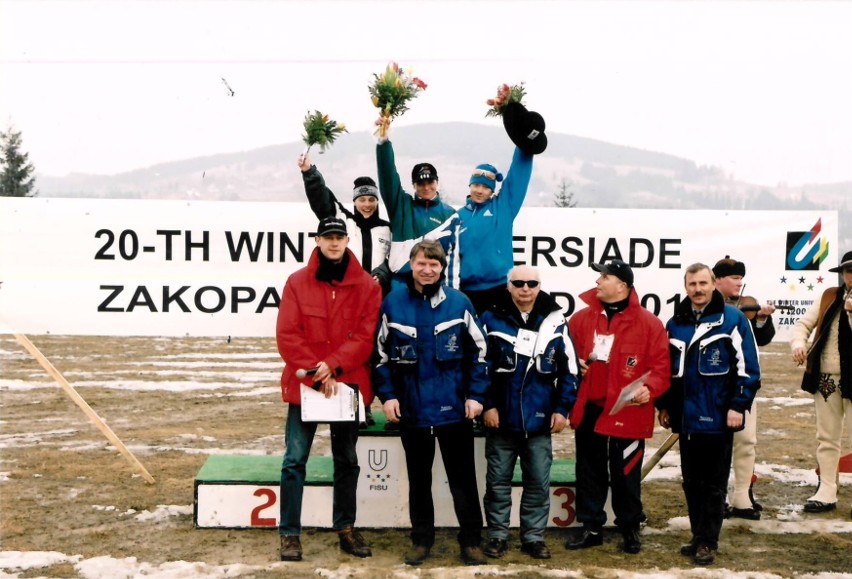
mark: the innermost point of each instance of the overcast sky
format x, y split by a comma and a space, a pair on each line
761, 89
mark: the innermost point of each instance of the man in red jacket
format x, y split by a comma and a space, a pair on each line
618, 342
326, 321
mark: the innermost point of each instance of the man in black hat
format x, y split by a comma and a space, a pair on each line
729, 282
828, 377
326, 321
619, 343
369, 234
423, 216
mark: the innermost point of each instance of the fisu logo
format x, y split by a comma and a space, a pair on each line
377, 459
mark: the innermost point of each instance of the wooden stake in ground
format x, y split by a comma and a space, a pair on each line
661, 452
78, 400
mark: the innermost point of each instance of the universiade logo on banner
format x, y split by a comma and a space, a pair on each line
806, 250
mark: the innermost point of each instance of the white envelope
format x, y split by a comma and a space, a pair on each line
628, 391
347, 404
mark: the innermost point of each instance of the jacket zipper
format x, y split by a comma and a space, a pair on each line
523, 386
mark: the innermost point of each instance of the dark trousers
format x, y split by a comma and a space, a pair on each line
298, 439
705, 464
605, 462
456, 441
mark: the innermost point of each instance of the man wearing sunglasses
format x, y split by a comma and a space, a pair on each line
620, 342
533, 387
486, 221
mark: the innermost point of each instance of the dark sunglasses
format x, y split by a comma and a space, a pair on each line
530, 283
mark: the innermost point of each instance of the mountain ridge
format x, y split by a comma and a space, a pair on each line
596, 174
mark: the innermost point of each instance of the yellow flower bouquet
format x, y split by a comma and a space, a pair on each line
390, 93
505, 94
321, 130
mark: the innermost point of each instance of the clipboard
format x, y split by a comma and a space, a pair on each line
345, 406
627, 393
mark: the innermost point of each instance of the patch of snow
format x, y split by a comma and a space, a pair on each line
163, 512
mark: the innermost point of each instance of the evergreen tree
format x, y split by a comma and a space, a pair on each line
564, 197
16, 178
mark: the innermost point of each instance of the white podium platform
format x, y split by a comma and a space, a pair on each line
241, 492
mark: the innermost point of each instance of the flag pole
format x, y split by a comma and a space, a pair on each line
661, 452
84, 406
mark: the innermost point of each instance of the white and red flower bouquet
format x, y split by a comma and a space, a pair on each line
391, 91
505, 94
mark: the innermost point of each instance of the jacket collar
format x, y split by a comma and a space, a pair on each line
590, 297
434, 293
712, 312
352, 267
543, 306
427, 203
471, 205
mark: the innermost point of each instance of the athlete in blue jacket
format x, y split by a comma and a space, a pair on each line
486, 224
415, 218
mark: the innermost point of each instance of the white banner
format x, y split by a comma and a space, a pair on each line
177, 268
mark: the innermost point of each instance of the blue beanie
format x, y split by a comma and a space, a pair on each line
487, 175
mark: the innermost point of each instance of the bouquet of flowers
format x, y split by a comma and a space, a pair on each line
391, 92
320, 130
505, 94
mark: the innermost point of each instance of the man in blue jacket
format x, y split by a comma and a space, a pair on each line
431, 376
533, 387
715, 376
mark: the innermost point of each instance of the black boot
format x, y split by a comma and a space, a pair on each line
631, 544
587, 539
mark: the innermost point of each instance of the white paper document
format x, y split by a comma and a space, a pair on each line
628, 392
347, 404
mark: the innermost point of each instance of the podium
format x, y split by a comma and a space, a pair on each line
241, 491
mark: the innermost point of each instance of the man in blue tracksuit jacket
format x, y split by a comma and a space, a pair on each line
431, 375
715, 376
533, 387
486, 225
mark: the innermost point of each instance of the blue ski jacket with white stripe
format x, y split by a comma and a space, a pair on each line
430, 355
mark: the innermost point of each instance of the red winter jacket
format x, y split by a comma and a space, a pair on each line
335, 324
640, 344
